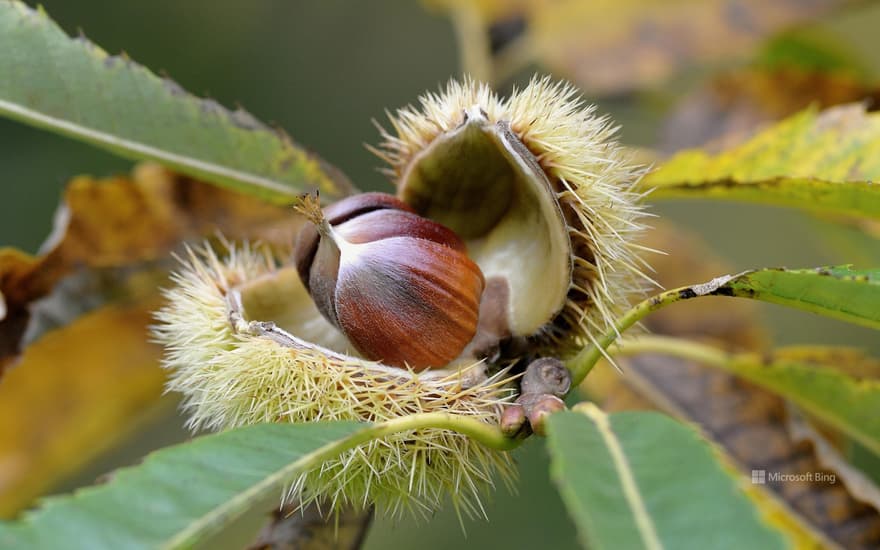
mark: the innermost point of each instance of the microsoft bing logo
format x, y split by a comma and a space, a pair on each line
760, 477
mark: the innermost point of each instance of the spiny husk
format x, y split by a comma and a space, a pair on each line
231, 378
592, 177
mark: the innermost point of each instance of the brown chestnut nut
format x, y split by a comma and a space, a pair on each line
400, 287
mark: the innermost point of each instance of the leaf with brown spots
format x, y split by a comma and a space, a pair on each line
824, 162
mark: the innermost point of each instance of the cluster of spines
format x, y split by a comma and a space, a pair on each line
231, 379
594, 181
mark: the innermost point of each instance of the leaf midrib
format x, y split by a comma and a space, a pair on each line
646, 528
73, 129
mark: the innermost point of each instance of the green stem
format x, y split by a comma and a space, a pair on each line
489, 435
581, 364
678, 347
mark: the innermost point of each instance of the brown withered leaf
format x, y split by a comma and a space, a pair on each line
127, 221
79, 390
82, 307
608, 48
859, 484
731, 106
747, 422
92, 375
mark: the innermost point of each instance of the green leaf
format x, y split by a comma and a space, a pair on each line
643, 480
72, 87
814, 380
811, 49
849, 404
838, 292
183, 493
828, 161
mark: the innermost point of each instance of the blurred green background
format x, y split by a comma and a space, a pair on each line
323, 71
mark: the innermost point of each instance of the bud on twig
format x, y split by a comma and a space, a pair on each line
545, 381
513, 418
546, 375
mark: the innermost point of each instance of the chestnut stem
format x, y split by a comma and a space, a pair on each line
581, 364
489, 435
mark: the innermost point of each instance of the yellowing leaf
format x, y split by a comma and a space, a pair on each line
850, 361
78, 389
75, 393
827, 161
127, 221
